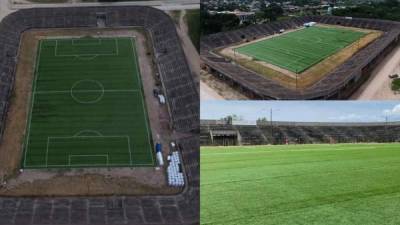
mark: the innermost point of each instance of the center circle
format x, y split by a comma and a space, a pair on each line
87, 91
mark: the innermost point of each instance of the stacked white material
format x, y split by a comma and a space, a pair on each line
175, 178
309, 24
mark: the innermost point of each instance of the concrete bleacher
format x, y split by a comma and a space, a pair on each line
306, 133
340, 83
183, 104
181, 91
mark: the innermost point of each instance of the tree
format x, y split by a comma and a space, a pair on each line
273, 11
210, 24
262, 120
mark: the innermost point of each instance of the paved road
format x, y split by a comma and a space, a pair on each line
4, 9
377, 87
163, 5
190, 51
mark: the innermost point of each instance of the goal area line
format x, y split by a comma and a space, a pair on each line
31, 160
115, 51
65, 140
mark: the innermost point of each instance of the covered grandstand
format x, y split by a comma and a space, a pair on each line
337, 84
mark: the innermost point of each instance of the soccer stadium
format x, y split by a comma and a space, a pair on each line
99, 118
284, 172
310, 57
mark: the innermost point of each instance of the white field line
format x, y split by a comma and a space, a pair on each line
72, 137
84, 91
99, 42
89, 91
89, 165
33, 100
77, 137
87, 131
116, 53
142, 98
130, 152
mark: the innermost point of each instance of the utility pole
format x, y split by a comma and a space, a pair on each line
386, 123
272, 128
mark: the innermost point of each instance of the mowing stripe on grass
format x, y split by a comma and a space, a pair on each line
300, 184
298, 50
101, 100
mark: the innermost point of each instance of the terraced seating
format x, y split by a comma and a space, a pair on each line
338, 84
182, 99
307, 133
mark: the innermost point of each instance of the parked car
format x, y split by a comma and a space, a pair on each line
393, 76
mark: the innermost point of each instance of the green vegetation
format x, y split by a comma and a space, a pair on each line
348, 184
175, 15
272, 12
210, 24
388, 10
87, 106
214, 23
299, 50
193, 22
49, 1
396, 84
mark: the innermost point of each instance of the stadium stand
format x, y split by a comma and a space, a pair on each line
338, 84
302, 133
183, 105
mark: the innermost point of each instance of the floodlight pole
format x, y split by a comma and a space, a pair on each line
270, 119
386, 123
270, 116
271, 122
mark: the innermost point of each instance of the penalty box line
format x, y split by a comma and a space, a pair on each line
85, 91
115, 52
77, 137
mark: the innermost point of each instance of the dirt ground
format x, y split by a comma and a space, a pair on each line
190, 51
213, 89
309, 76
377, 87
90, 181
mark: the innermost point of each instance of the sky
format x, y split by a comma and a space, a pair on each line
304, 111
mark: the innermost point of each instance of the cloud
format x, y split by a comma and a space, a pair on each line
352, 117
394, 111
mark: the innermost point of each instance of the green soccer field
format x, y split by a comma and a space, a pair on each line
87, 106
297, 51
348, 184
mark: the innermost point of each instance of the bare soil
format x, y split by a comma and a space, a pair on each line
309, 76
378, 86
90, 181
213, 89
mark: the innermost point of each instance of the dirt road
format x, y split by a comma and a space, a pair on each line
377, 87
207, 93
190, 51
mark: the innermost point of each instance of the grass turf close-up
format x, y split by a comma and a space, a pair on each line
348, 184
298, 50
87, 106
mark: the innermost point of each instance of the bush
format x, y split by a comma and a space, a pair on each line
396, 84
